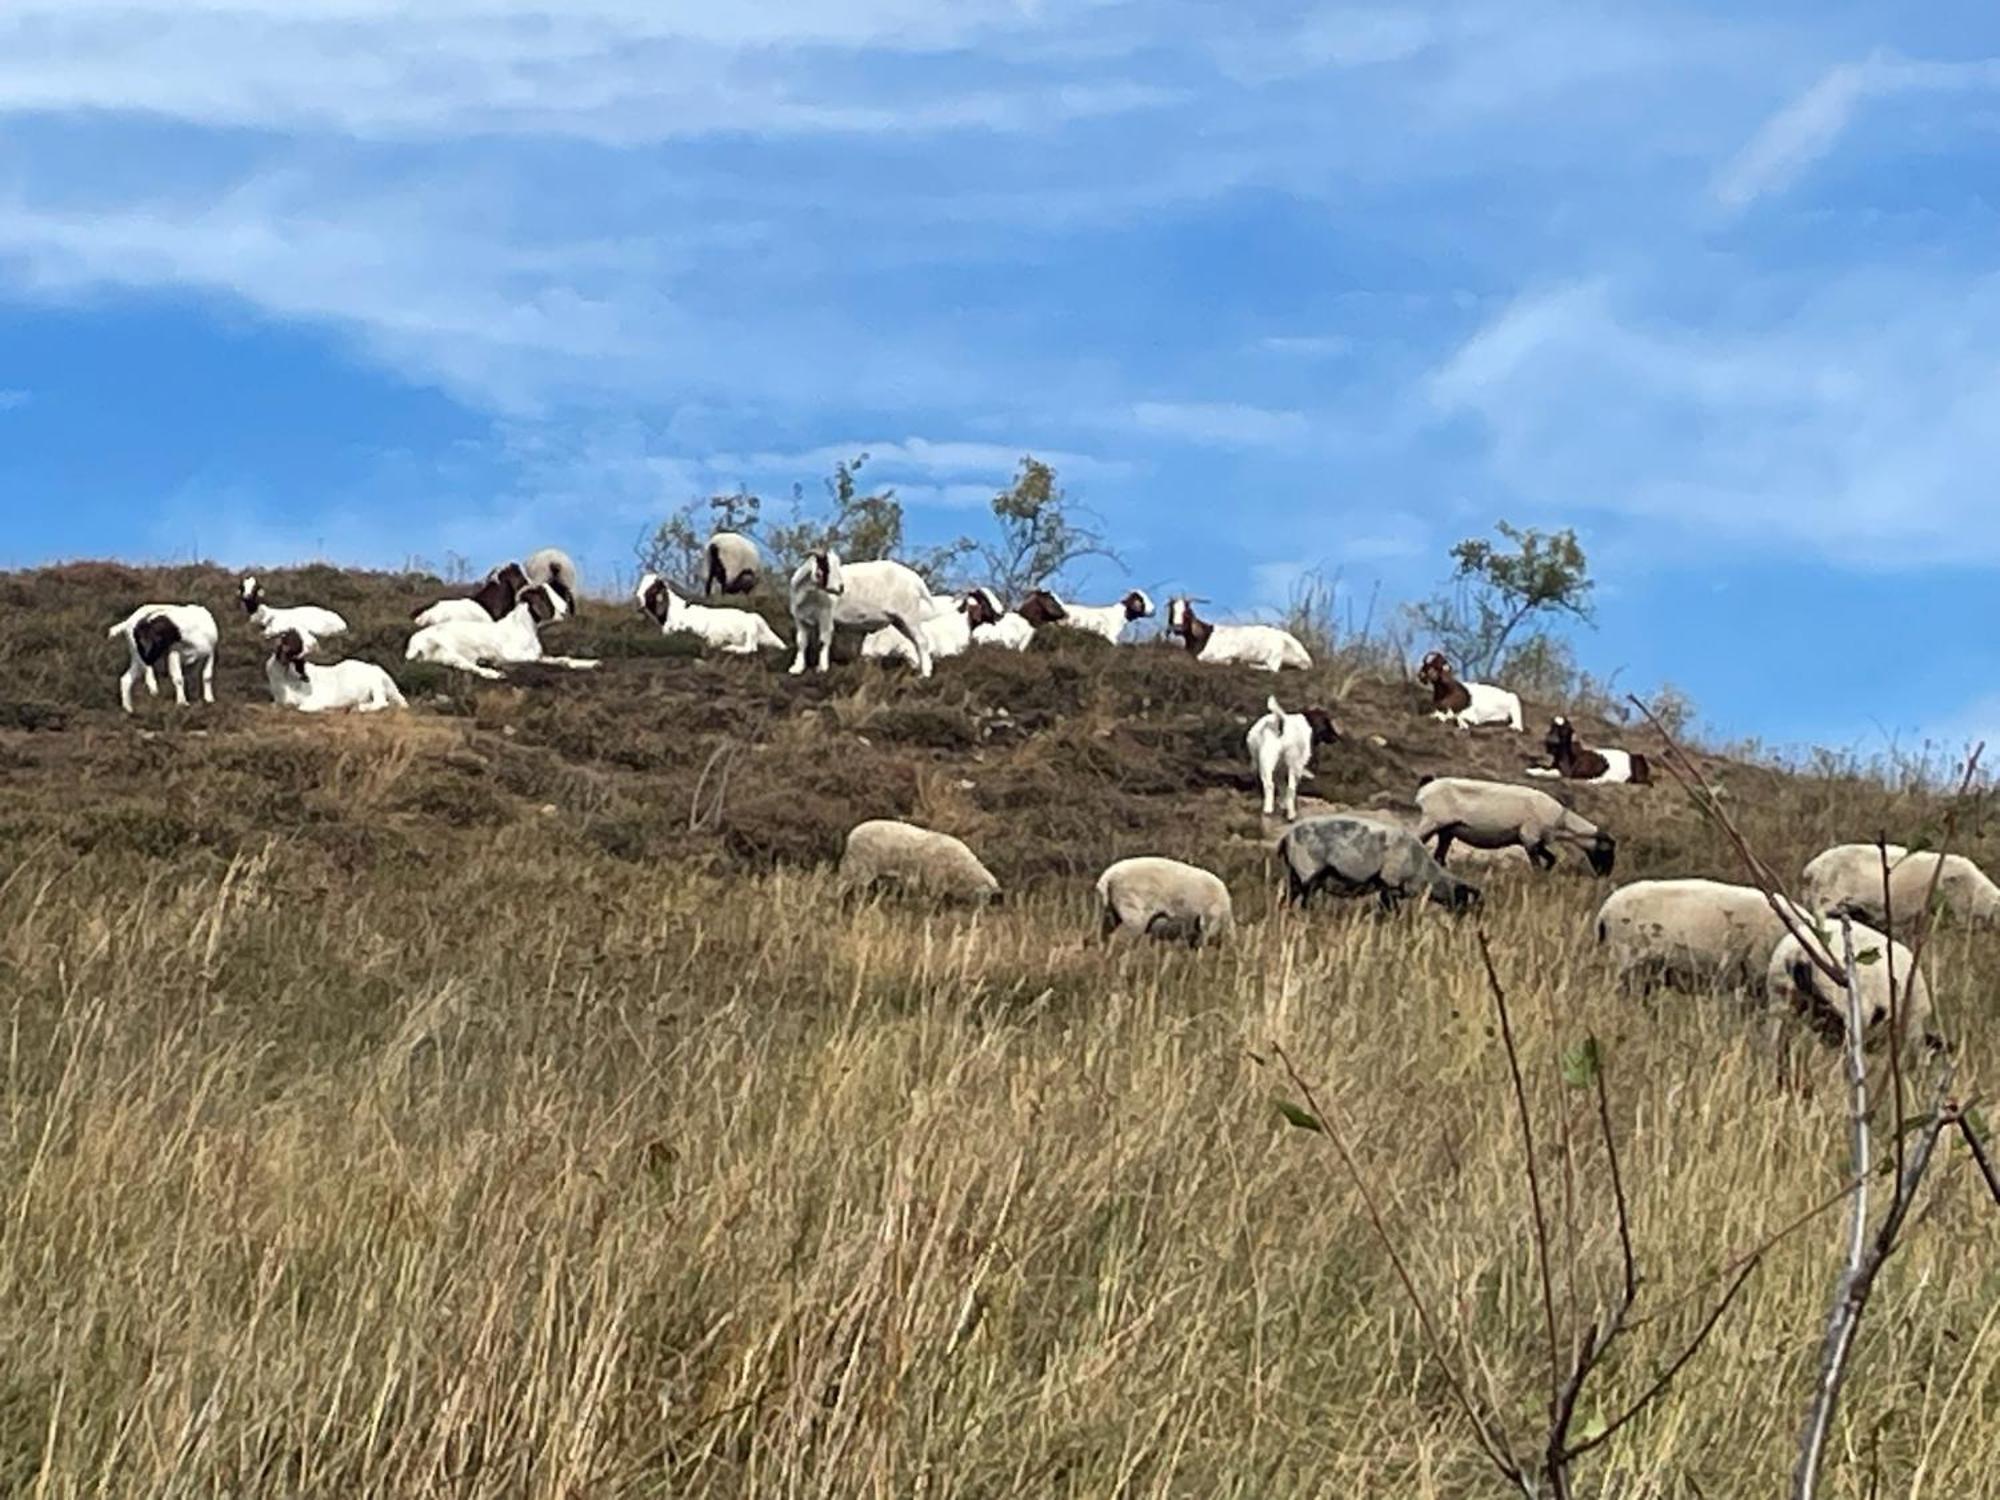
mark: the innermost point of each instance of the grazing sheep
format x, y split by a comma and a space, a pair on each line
1699, 934
946, 633
312, 689
731, 562
552, 566
468, 645
735, 632
995, 625
1467, 704
1493, 815
1264, 647
917, 861
1848, 878
1573, 762
1792, 977
1164, 899
1107, 621
498, 592
1281, 747
311, 623
182, 635
862, 596
1359, 856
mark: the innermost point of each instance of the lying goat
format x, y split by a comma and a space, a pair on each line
314, 689
1573, 762
736, 632
1467, 704
468, 645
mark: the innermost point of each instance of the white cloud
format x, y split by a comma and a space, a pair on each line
1861, 428
1222, 424
1808, 128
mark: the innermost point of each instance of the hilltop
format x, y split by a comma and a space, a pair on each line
492, 1100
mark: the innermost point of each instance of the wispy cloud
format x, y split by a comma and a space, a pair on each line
1222, 424
1808, 128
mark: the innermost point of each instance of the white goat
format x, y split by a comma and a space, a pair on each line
182, 635
946, 633
494, 599
1042, 607
1467, 704
468, 645
1265, 647
863, 596
312, 623
735, 632
995, 625
313, 689
1281, 745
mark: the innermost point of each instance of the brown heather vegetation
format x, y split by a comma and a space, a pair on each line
421, 1106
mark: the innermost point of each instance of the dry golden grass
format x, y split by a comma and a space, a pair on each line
369, 1130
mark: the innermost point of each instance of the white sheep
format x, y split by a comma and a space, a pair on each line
310, 622
468, 645
731, 563
1281, 747
862, 596
1793, 978
1469, 705
1494, 815
735, 632
1570, 761
946, 633
1694, 933
494, 599
916, 861
1165, 899
182, 635
993, 624
1848, 878
1042, 607
312, 688
554, 567
1265, 647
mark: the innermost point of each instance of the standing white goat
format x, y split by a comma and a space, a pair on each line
863, 596
1264, 647
182, 635
737, 632
468, 645
312, 623
313, 689
1281, 744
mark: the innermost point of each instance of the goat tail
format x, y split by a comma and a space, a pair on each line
1271, 706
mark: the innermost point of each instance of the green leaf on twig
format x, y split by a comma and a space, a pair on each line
1868, 956
1305, 1119
1582, 1063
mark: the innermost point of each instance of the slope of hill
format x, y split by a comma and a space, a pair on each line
491, 1099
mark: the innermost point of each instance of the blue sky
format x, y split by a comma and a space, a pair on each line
1275, 287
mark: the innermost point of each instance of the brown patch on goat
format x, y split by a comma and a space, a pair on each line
1136, 606
1193, 631
153, 637
1324, 730
654, 601
1447, 692
290, 650
1042, 608
979, 609
541, 604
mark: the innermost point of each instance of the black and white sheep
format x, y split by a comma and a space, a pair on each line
1469, 705
916, 861
181, 635
1165, 899
1494, 815
310, 622
1848, 878
730, 564
1281, 747
1350, 855
311, 688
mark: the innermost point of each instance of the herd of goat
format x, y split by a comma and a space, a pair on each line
1689, 931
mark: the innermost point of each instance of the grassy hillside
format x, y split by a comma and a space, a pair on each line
492, 1101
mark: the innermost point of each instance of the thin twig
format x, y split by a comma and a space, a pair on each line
1978, 1148
1895, 1006
1533, 1174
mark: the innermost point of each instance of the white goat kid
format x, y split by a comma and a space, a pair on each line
314, 689
1281, 745
735, 632
181, 635
1264, 647
469, 645
862, 596
312, 623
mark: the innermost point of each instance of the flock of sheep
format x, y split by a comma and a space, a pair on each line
1695, 931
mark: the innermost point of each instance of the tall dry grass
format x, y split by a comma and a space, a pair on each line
540, 1175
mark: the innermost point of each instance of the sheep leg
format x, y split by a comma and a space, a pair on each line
1443, 843
1541, 857
1107, 922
